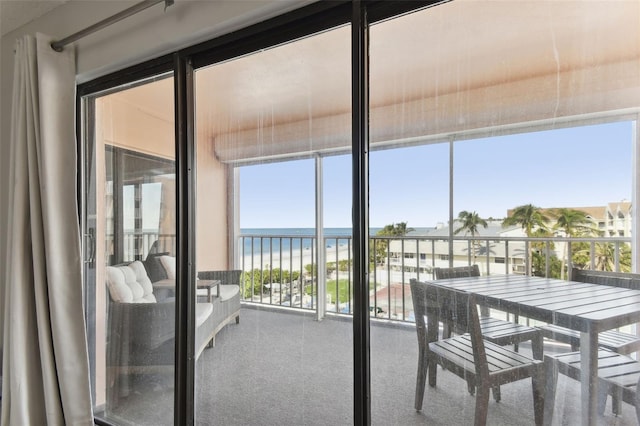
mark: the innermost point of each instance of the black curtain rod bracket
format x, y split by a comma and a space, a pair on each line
59, 45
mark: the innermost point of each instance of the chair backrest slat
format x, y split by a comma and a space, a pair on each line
479, 352
457, 272
420, 301
460, 272
459, 307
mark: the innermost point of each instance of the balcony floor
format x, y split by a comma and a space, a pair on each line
278, 368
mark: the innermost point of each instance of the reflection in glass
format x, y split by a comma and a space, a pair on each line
269, 125
466, 127
131, 287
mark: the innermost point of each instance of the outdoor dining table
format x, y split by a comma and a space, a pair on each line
587, 308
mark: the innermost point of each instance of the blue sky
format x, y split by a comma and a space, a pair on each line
151, 197
573, 167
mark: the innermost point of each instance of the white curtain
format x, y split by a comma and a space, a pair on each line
45, 364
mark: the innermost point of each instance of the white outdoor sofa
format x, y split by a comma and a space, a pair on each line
141, 328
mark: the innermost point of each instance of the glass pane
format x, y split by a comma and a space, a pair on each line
514, 155
588, 199
269, 126
130, 226
338, 237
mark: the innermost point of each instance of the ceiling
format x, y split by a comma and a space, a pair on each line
16, 13
459, 67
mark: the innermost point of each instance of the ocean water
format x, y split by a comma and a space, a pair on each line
258, 240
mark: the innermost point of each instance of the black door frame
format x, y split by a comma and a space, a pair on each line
307, 20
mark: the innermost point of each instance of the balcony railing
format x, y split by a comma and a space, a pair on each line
137, 244
282, 270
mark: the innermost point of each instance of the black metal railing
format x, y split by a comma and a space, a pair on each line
282, 269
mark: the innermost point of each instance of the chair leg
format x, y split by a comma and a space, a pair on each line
616, 402
446, 333
602, 400
471, 386
637, 401
496, 393
432, 368
482, 406
537, 346
538, 387
421, 379
446, 330
551, 379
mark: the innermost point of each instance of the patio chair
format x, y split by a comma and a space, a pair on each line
494, 330
612, 340
618, 376
482, 363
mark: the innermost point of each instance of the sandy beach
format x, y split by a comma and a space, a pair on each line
295, 260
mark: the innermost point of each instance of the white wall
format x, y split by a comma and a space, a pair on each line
146, 35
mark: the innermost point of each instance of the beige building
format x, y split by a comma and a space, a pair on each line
494, 251
614, 219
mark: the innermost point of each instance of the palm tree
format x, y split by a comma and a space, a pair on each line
393, 230
604, 257
573, 223
470, 223
528, 217
541, 252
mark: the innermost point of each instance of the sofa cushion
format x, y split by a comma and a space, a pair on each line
203, 311
169, 265
130, 284
227, 291
154, 267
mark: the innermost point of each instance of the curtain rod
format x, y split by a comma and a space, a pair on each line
58, 46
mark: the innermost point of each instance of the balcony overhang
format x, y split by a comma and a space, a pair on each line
456, 71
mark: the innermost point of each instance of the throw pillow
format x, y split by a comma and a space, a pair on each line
169, 264
129, 284
154, 267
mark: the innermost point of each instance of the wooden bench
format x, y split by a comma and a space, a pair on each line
616, 341
611, 340
618, 376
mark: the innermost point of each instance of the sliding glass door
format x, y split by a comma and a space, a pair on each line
272, 241
462, 131
496, 152
129, 229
